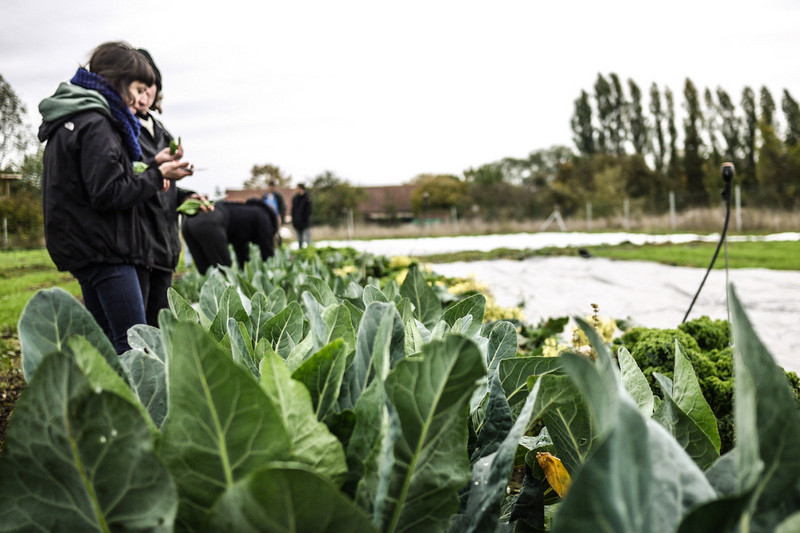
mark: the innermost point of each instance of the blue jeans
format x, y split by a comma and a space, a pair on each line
112, 295
303, 235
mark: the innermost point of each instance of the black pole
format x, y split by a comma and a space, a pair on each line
727, 176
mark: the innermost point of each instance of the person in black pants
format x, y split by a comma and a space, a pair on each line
301, 215
159, 212
92, 226
208, 234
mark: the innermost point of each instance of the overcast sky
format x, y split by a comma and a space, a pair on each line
380, 92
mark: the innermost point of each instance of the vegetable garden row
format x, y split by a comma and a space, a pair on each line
315, 393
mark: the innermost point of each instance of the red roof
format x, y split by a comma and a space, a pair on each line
380, 199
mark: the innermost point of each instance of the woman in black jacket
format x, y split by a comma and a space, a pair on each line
159, 212
90, 190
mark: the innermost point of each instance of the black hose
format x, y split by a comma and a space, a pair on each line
726, 194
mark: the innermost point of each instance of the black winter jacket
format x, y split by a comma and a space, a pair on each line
254, 221
90, 193
160, 211
301, 211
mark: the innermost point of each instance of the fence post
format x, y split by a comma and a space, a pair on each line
672, 210
5, 232
454, 218
350, 229
626, 208
738, 196
589, 216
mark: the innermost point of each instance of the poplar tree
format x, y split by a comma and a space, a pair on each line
582, 125
618, 116
602, 96
638, 124
693, 144
711, 123
731, 126
659, 148
14, 134
791, 111
674, 168
749, 138
767, 107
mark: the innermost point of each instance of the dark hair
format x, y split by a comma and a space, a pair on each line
156, 106
302, 186
120, 65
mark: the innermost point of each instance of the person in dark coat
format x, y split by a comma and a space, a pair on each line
159, 212
301, 215
274, 199
208, 234
89, 188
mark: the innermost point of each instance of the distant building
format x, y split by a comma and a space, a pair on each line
386, 203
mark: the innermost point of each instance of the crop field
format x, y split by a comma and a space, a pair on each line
390, 395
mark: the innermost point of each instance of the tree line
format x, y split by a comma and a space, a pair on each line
626, 145
642, 148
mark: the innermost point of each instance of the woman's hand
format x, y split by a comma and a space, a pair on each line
163, 156
175, 170
205, 204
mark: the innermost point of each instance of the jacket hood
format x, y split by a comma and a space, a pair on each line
67, 101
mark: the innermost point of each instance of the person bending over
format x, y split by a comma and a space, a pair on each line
208, 234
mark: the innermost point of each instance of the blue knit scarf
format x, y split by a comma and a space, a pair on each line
129, 125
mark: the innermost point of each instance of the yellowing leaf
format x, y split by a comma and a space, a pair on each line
554, 471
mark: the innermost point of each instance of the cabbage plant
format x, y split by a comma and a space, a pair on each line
287, 397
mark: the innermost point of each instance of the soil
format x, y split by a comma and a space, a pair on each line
12, 381
11, 386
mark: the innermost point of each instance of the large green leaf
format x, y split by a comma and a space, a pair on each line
259, 315
276, 300
322, 375
229, 306
515, 371
491, 473
311, 442
242, 349
612, 491
339, 326
502, 344
474, 306
380, 344
430, 464
567, 418
320, 290
221, 425
182, 309
211, 295
373, 294
149, 340
49, 319
637, 478
287, 500
78, 458
148, 378
685, 429
427, 308
635, 382
686, 414
285, 330
774, 431
497, 421
370, 447
688, 396
767, 439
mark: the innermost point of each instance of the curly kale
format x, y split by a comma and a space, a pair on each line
706, 344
